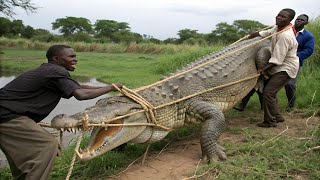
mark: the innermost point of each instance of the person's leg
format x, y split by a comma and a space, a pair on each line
291, 92
271, 108
260, 99
29, 148
245, 101
16, 173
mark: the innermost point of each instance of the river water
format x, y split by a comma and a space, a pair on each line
65, 106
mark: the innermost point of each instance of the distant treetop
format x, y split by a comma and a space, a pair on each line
7, 6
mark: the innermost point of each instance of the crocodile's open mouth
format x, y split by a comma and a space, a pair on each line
104, 139
100, 138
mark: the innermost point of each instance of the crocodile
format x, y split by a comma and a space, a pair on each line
200, 92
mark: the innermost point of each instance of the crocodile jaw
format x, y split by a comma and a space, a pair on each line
104, 139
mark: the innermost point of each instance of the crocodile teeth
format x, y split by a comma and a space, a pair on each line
73, 130
79, 155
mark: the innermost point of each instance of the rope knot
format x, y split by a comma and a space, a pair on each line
85, 122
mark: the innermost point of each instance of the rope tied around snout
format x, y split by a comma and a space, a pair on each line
148, 109
85, 122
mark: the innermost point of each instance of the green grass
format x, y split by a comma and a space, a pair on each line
105, 67
107, 165
259, 157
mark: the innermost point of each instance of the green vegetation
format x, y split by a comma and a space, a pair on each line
80, 29
261, 156
256, 157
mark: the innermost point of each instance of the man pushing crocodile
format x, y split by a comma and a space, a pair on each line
282, 67
28, 99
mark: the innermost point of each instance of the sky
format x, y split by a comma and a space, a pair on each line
163, 19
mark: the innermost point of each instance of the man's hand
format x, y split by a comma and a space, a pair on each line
264, 74
118, 85
259, 71
253, 35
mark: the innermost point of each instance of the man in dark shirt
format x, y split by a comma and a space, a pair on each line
28, 99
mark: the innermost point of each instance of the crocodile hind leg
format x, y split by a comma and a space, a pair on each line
212, 126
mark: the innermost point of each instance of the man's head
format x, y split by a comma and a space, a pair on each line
62, 55
301, 21
284, 17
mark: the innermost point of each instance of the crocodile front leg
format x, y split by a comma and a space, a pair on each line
212, 126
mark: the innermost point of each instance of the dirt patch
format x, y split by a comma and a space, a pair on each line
175, 162
179, 160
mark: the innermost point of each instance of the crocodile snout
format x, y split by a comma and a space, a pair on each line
64, 121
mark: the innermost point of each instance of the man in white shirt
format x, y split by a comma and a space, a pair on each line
282, 67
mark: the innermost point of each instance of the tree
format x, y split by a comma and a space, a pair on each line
122, 36
42, 32
170, 41
80, 37
226, 33
71, 25
107, 28
7, 6
246, 27
43, 35
137, 37
199, 40
28, 32
16, 27
223, 33
5, 26
185, 34
154, 40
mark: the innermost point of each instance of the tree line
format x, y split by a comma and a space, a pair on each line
110, 31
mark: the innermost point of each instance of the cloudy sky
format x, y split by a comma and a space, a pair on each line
164, 18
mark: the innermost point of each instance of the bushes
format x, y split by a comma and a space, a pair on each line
37, 43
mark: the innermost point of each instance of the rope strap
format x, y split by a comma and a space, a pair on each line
212, 60
74, 155
147, 107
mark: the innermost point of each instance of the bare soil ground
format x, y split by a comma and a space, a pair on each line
180, 159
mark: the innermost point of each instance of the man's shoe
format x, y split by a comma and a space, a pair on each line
267, 125
279, 119
288, 109
238, 108
290, 105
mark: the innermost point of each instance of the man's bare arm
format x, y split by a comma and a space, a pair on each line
90, 92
